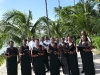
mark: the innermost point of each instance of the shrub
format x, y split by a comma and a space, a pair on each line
96, 42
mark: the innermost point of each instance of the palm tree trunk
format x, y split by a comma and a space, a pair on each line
74, 2
59, 8
47, 18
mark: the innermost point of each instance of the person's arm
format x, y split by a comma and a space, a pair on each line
48, 49
18, 56
75, 47
20, 51
7, 55
89, 39
90, 46
33, 55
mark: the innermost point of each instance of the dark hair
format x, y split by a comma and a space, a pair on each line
11, 42
37, 39
62, 38
85, 37
25, 40
33, 37
70, 36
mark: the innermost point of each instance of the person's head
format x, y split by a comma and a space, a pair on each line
11, 43
62, 40
24, 41
46, 38
57, 40
28, 39
83, 38
42, 39
52, 40
66, 38
33, 38
83, 33
36, 42
69, 38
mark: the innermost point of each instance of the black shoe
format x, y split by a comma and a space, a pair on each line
82, 71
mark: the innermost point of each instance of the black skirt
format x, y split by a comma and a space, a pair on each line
54, 64
87, 59
64, 63
11, 64
25, 65
39, 67
73, 64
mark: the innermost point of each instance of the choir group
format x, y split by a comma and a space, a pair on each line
50, 55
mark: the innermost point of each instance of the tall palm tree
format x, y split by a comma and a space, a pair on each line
59, 8
74, 2
47, 18
16, 26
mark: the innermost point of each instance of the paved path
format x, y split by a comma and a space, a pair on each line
96, 61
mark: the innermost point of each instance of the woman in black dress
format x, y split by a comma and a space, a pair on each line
11, 61
86, 55
72, 57
38, 58
54, 61
64, 58
25, 59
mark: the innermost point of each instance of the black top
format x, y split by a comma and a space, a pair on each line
25, 50
71, 47
37, 50
64, 47
53, 48
83, 46
12, 52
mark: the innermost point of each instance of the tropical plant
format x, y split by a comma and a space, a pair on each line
16, 26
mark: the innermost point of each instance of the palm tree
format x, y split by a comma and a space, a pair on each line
74, 2
47, 17
16, 26
59, 8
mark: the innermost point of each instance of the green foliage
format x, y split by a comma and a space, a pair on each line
77, 41
96, 42
2, 59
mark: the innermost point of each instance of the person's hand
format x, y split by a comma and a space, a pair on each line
35, 55
22, 54
71, 52
65, 52
9, 56
86, 50
40, 54
18, 61
55, 53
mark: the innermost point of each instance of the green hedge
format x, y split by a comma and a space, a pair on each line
96, 42
2, 59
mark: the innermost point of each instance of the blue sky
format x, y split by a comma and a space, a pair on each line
36, 6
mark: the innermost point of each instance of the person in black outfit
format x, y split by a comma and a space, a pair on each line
64, 59
86, 55
53, 51
72, 57
25, 59
11, 59
88, 39
38, 55
46, 62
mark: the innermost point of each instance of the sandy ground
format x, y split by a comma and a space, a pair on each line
96, 62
